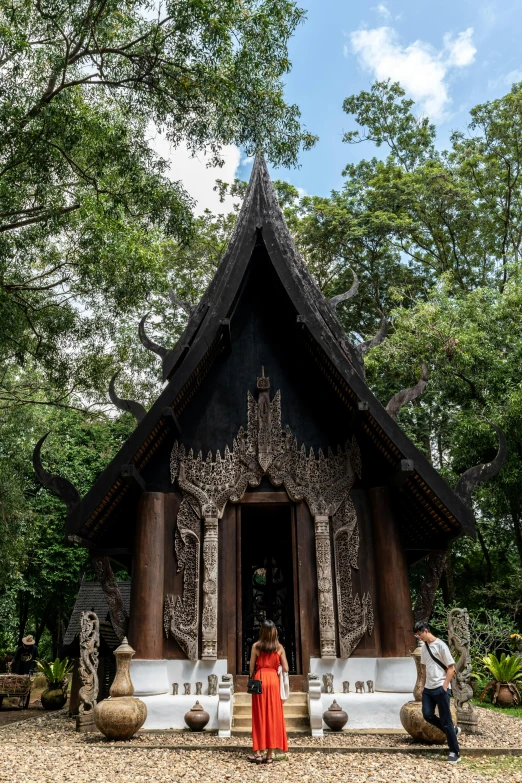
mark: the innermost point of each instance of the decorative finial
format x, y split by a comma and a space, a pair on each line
263, 383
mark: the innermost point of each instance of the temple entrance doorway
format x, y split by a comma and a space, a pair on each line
268, 579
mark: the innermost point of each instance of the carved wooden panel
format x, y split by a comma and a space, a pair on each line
264, 448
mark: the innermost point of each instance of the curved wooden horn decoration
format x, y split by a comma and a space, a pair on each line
147, 342
56, 484
186, 306
475, 475
129, 406
405, 396
336, 300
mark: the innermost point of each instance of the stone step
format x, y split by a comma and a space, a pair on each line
294, 698
290, 720
297, 709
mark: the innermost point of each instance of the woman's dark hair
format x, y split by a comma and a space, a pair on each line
421, 625
268, 639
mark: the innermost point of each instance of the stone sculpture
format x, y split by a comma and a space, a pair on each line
186, 685
369, 683
346, 686
359, 686
121, 716
212, 684
328, 680
411, 712
459, 644
175, 688
89, 651
199, 686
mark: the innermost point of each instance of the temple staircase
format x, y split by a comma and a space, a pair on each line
297, 719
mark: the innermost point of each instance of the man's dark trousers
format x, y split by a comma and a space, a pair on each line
441, 698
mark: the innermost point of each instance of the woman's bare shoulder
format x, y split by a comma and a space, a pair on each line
280, 648
254, 646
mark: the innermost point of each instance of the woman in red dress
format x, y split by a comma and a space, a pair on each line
268, 720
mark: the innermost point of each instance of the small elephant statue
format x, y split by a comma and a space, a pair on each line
187, 688
346, 686
212, 684
175, 688
328, 683
199, 686
369, 683
359, 686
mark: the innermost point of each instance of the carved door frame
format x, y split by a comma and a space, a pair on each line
268, 500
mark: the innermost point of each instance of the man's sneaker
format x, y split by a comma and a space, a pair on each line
458, 730
454, 758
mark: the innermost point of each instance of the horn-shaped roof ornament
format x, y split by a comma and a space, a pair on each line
405, 396
475, 475
336, 300
149, 344
56, 484
129, 406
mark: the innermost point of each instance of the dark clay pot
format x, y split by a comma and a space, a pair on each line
505, 697
335, 717
53, 699
197, 718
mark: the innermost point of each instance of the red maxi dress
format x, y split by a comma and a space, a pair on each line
268, 720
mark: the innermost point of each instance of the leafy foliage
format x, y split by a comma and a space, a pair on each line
56, 672
507, 668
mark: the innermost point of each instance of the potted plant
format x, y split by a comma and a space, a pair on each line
55, 695
506, 671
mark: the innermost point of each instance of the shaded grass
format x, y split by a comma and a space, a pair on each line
494, 766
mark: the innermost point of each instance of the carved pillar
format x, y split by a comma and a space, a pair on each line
210, 590
146, 615
325, 586
393, 590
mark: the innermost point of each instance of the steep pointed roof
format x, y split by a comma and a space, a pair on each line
427, 502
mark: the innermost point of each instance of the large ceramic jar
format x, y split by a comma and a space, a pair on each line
197, 718
335, 717
120, 716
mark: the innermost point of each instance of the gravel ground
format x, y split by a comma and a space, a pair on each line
48, 750
496, 731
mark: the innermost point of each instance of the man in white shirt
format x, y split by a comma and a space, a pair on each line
438, 669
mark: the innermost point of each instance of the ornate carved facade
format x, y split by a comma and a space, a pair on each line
324, 482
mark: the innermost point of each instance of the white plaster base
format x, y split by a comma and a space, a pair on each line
393, 675
167, 712
368, 710
151, 678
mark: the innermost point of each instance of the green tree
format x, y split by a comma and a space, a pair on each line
85, 203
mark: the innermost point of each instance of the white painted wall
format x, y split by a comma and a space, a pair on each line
394, 675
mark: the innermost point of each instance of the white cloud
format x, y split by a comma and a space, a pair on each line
419, 67
197, 179
460, 51
383, 11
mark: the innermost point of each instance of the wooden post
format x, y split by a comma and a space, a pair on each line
209, 616
148, 568
393, 590
323, 553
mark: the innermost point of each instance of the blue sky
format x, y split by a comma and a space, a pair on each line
449, 56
